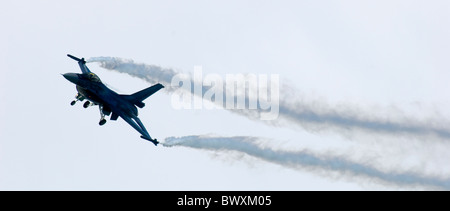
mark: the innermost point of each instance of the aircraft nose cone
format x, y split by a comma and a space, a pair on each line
72, 77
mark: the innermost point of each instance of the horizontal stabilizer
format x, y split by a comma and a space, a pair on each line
140, 96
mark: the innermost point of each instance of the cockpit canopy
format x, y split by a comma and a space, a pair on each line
94, 78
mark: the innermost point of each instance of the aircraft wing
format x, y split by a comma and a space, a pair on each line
139, 127
82, 64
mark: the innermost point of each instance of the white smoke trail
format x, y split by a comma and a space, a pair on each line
310, 117
150, 73
307, 160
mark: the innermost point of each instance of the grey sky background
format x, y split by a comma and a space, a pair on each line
386, 58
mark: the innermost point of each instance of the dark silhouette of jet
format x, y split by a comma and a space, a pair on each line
91, 88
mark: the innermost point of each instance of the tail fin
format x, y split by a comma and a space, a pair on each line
140, 96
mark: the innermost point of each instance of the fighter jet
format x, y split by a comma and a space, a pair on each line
91, 88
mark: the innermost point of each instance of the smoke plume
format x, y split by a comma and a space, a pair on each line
307, 160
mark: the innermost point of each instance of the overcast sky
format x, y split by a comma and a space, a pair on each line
383, 57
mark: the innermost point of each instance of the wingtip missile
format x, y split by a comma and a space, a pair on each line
77, 59
154, 141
